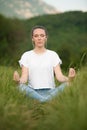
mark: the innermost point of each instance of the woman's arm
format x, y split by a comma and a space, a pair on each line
62, 78
24, 75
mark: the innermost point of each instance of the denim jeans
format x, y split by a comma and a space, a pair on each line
42, 95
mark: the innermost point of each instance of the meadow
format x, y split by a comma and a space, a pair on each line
67, 111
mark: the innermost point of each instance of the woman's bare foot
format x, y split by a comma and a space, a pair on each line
16, 76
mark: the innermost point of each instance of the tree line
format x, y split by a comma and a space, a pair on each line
67, 35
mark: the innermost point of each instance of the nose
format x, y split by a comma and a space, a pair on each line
39, 36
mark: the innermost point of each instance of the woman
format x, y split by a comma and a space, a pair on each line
39, 67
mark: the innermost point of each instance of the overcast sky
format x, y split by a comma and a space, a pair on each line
68, 5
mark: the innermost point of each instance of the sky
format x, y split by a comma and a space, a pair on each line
68, 5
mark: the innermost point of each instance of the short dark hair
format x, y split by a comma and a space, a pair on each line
39, 26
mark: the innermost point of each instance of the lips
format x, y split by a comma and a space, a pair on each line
39, 42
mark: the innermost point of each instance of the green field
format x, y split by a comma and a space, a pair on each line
68, 111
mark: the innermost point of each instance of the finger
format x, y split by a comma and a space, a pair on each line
71, 72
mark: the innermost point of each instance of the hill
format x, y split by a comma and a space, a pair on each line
23, 9
67, 35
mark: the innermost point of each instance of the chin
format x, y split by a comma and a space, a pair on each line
40, 46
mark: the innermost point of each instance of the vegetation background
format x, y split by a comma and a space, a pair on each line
67, 35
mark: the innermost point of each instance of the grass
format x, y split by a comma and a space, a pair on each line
68, 111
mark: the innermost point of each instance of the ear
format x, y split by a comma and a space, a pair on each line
32, 40
46, 39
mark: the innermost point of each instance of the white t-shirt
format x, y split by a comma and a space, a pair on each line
41, 73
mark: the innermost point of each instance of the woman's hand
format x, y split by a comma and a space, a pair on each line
16, 77
24, 76
71, 74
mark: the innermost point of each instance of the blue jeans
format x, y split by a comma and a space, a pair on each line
42, 94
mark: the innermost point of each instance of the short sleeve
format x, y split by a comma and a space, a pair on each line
23, 60
56, 59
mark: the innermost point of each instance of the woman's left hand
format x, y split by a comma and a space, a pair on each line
71, 74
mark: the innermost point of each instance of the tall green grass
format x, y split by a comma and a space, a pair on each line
67, 111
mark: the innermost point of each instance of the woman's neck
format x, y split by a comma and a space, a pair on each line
39, 50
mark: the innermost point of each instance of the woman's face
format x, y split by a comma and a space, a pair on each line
39, 37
